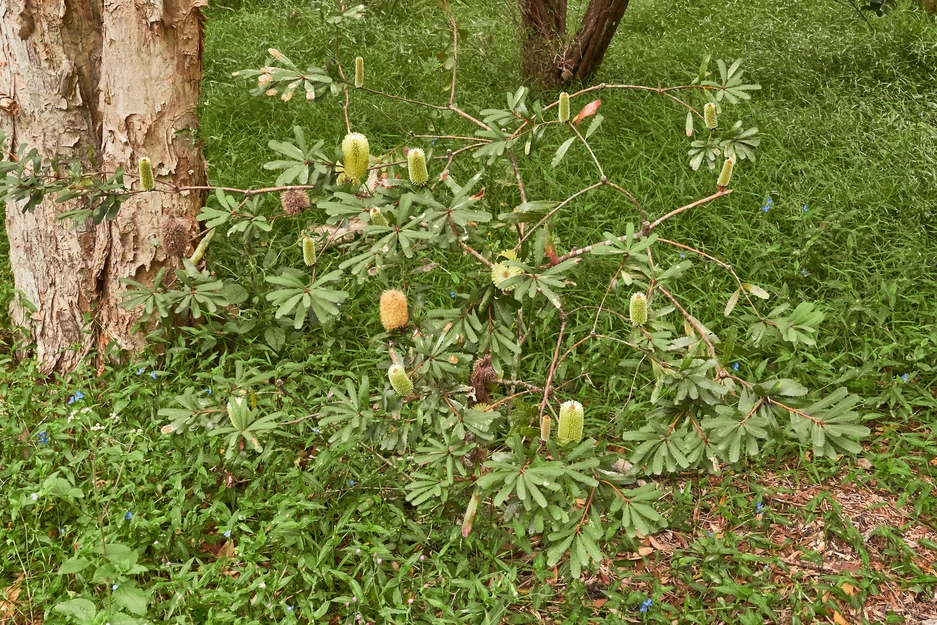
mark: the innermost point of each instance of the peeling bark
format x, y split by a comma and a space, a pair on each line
551, 57
103, 81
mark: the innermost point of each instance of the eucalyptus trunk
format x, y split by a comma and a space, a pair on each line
104, 82
551, 55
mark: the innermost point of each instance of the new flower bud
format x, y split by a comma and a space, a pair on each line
147, 182
309, 251
202, 247
359, 71
564, 107
393, 309
545, 426
469, 517
377, 217
638, 309
726, 175
399, 380
416, 167
570, 425
355, 151
709, 115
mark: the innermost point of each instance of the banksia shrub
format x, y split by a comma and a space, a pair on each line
399, 380
359, 71
309, 251
416, 167
726, 175
570, 425
638, 309
564, 107
545, 426
147, 182
377, 217
173, 236
709, 115
393, 309
355, 151
294, 201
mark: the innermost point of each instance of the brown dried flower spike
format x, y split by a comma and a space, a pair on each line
173, 237
393, 309
294, 201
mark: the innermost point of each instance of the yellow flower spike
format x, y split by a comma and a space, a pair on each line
638, 309
416, 167
726, 175
564, 107
355, 151
545, 426
309, 251
394, 313
377, 217
709, 115
570, 425
359, 72
147, 182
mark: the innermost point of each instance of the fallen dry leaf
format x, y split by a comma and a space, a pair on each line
588, 110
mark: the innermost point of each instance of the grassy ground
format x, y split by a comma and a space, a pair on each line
848, 120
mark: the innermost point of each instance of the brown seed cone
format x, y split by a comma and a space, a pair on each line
483, 374
294, 201
393, 309
173, 236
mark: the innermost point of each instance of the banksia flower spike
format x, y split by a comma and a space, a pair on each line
173, 237
501, 273
709, 115
202, 247
309, 251
147, 182
399, 380
469, 517
416, 167
294, 201
359, 71
545, 426
393, 309
355, 151
377, 217
726, 175
564, 107
638, 309
570, 425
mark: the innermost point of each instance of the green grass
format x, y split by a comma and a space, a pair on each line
848, 121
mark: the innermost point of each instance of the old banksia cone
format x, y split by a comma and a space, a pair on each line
377, 217
638, 309
359, 71
570, 426
399, 380
709, 115
294, 201
355, 151
726, 174
416, 167
393, 309
309, 251
147, 182
564, 107
173, 236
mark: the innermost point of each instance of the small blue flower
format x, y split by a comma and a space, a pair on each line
433, 142
141, 370
227, 533
710, 534
765, 208
735, 366
646, 605
78, 396
682, 255
153, 374
61, 531
114, 587
759, 508
769, 201
289, 608
316, 430
905, 377
208, 391
803, 271
128, 516
43, 437
804, 208
352, 482
452, 294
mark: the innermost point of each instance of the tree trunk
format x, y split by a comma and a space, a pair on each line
105, 82
551, 57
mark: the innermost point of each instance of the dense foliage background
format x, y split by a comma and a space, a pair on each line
838, 209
